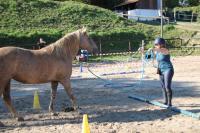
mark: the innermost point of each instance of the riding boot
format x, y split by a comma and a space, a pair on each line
165, 97
169, 95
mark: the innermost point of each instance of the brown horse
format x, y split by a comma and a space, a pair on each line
52, 63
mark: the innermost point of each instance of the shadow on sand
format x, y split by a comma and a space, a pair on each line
103, 104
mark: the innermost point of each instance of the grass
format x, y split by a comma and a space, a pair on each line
115, 58
29, 19
23, 22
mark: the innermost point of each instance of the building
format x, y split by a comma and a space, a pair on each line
143, 10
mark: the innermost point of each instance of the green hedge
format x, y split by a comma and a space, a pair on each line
27, 40
114, 41
118, 41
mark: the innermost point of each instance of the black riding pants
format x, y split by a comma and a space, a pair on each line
166, 80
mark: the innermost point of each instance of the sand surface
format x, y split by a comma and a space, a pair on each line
107, 104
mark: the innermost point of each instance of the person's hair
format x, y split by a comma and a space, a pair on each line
162, 45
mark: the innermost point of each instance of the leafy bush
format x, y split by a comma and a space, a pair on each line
169, 27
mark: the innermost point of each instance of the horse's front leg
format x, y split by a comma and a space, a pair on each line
67, 85
8, 103
54, 86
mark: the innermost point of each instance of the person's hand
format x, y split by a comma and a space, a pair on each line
141, 49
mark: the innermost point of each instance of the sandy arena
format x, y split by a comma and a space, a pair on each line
109, 108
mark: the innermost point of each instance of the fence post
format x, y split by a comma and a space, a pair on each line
161, 15
142, 59
181, 42
174, 15
168, 20
129, 46
100, 50
192, 17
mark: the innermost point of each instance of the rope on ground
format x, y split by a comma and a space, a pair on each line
175, 109
110, 83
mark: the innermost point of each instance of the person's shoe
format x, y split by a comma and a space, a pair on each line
169, 106
165, 103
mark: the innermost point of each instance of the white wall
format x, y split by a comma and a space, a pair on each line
143, 14
120, 14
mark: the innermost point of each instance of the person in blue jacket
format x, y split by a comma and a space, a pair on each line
165, 69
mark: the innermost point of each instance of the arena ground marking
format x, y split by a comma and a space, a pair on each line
175, 109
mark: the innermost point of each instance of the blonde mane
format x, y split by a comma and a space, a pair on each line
67, 45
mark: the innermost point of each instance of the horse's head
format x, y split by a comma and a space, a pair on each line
86, 42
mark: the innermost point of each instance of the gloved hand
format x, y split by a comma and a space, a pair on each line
140, 49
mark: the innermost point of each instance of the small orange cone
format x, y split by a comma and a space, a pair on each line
36, 101
85, 125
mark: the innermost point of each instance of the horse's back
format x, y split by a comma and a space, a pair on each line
8, 54
32, 66
6, 50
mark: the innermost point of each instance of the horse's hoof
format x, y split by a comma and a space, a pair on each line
54, 114
1, 124
69, 109
20, 119
80, 112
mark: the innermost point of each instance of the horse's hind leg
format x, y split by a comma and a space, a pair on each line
8, 103
67, 86
1, 92
54, 86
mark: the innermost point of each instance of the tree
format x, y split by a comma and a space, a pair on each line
109, 4
171, 3
194, 2
189, 2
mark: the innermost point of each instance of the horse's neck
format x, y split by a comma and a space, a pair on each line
73, 47
72, 50
65, 48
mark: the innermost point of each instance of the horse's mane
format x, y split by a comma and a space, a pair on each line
65, 45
